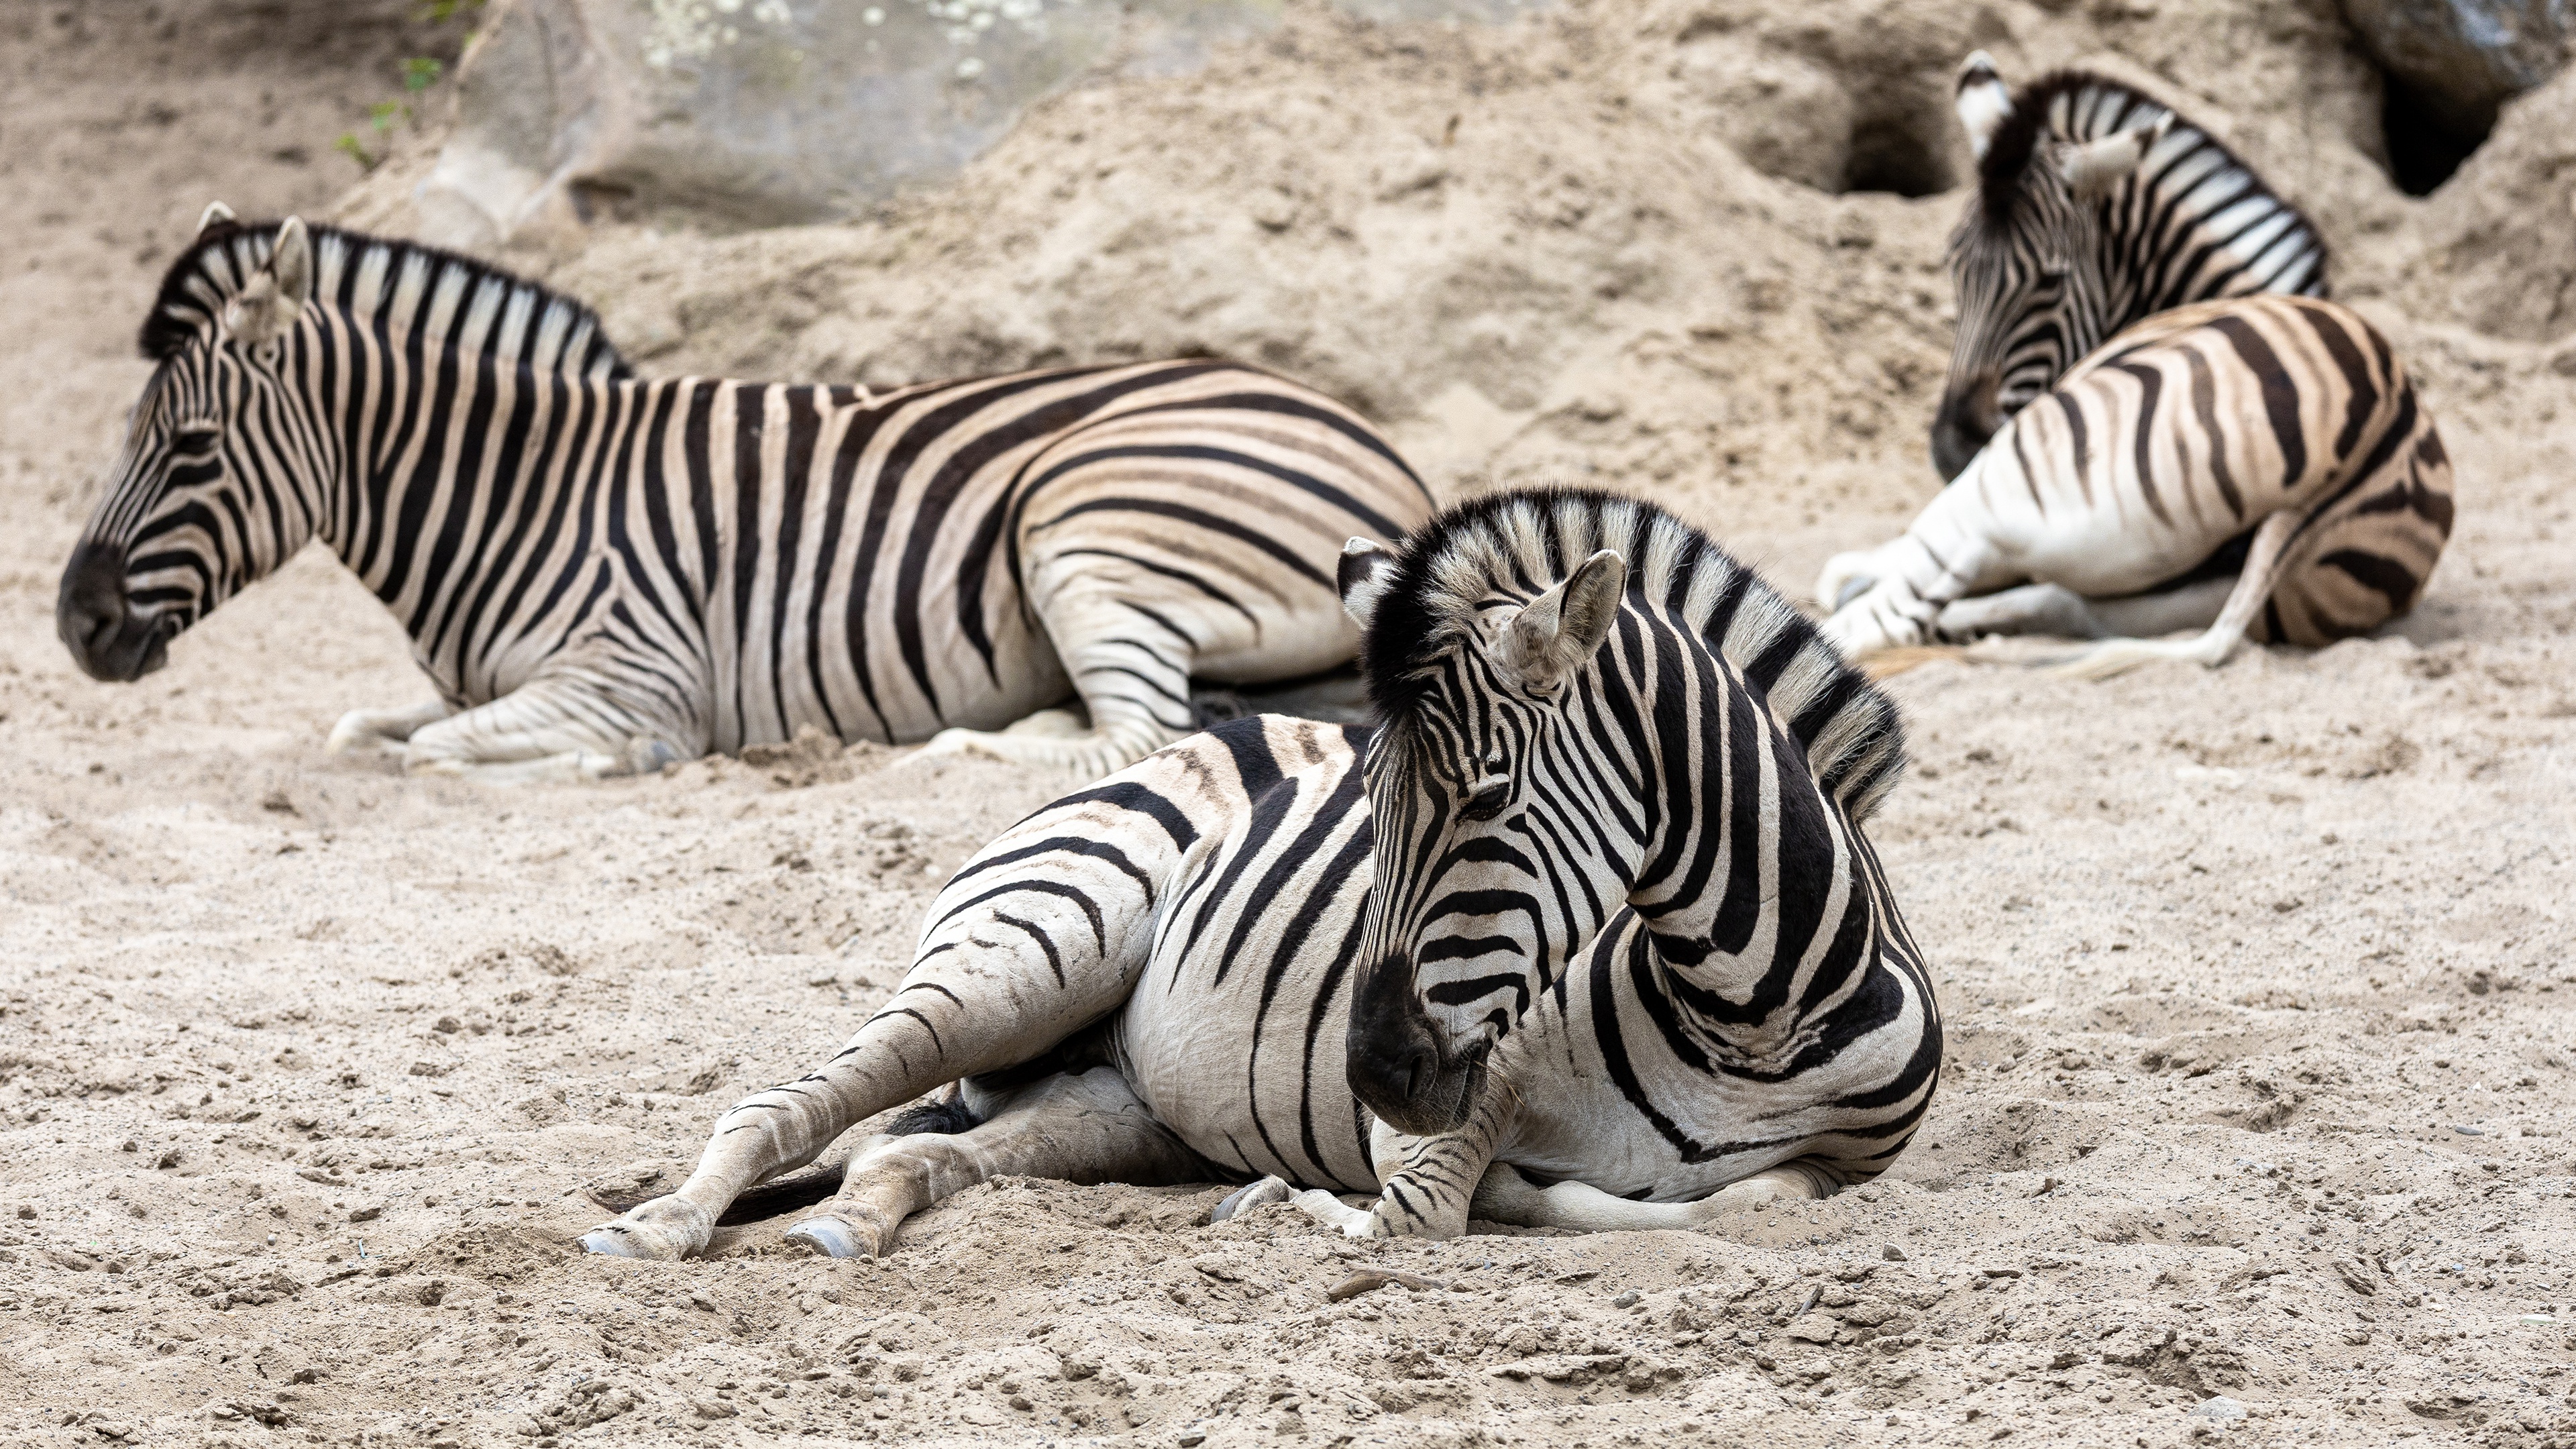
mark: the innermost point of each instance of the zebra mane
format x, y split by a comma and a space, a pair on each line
371, 274
2113, 106
1516, 544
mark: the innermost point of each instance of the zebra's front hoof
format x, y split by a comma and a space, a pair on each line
666, 1229
833, 1237
1250, 1196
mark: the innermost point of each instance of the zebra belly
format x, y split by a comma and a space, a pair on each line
1259, 1094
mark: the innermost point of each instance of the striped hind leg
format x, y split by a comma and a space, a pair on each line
1037, 937
1084, 1129
1130, 640
2264, 562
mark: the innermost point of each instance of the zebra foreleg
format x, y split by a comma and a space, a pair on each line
1507, 1196
382, 731
1425, 1184
1083, 1129
562, 728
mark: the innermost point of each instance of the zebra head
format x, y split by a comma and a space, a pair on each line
1487, 868
2025, 259
206, 495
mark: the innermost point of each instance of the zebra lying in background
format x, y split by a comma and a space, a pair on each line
602, 573
1626, 780
2258, 465
2096, 207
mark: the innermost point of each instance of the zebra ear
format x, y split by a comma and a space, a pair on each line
2094, 167
266, 309
1367, 571
1560, 629
216, 214
1983, 101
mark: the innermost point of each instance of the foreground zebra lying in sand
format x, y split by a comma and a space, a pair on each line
2253, 467
602, 573
1632, 891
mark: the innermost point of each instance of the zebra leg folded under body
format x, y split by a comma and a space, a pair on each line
1084, 1129
557, 727
2264, 563
383, 731
2057, 610
1506, 1196
1425, 1183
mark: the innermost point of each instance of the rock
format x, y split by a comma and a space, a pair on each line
2219, 1407
767, 114
1892, 1253
2464, 58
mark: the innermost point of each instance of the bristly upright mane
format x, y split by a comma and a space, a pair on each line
222, 259
1511, 546
2009, 151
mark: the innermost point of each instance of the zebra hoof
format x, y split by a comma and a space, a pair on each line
1254, 1195
613, 1242
666, 1229
832, 1237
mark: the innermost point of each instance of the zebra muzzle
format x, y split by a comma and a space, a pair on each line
107, 638
1398, 1065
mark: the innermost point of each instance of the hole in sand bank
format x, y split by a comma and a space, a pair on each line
2423, 148
1905, 149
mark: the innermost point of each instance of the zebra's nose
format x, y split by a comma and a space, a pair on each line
91, 616
1966, 420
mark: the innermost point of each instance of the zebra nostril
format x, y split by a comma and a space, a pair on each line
1421, 1069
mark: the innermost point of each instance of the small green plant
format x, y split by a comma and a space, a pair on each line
419, 73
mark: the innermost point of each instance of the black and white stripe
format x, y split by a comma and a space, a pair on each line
2095, 208
2257, 466
600, 571
1707, 989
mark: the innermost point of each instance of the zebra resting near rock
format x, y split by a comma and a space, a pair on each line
2259, 466
1625, 784
2096, 207
602, 573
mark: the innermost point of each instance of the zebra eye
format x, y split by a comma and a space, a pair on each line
1491, 795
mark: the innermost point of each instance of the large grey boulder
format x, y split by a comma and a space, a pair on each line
761, 112
2464, 58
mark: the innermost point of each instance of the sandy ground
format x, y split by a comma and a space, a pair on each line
2257, 982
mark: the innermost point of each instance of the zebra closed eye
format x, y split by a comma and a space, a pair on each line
1487, 798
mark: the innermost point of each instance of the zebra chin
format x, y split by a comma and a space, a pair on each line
107, 638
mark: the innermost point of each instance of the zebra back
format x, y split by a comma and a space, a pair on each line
2096, 206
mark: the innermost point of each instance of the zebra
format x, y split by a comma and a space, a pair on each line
603, 573
2095, 208
1609, 830
2258, 465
